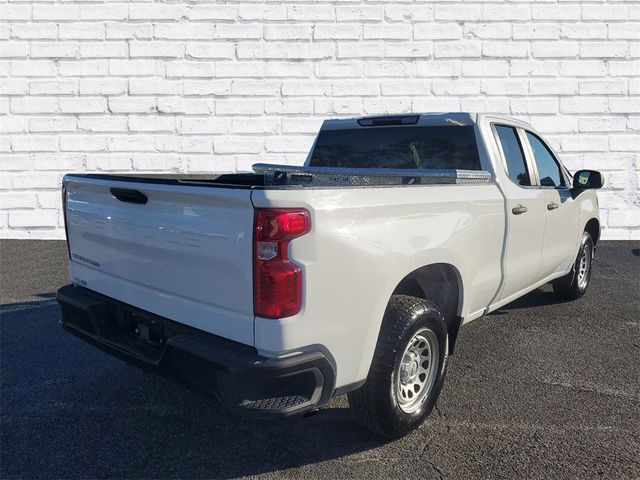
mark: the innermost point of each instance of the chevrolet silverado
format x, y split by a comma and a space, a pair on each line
280, 289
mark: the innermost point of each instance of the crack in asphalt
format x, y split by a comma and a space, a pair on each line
584, 387
444, 417
438, 470
18, 307
531, 427
593, 388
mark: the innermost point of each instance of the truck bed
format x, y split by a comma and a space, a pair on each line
278, 176
181, 245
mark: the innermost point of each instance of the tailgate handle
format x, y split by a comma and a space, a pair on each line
129, 196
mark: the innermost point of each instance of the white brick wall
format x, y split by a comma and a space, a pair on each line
214, 87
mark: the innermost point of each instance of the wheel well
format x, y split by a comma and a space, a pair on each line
439, 283
593, 228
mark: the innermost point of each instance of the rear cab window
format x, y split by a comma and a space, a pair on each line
398, 147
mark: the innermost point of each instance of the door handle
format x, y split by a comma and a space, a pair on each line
519, 210
129, 196
552, 206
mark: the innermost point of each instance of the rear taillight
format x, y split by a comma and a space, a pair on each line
277, 282
64, 216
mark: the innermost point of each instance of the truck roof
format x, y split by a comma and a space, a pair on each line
422, 119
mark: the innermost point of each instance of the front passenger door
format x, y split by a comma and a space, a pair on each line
561, 231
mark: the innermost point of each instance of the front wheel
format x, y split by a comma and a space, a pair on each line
407, 371
575, 284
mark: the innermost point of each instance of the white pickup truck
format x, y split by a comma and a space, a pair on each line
280, 289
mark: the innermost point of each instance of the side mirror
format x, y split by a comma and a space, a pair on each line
587, 179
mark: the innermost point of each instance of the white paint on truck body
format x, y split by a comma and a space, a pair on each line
362, 243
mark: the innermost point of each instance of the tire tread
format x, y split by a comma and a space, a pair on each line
364, 402
573, 292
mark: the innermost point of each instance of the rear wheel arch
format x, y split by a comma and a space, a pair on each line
441, 284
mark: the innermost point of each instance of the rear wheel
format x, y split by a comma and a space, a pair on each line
575, 284
407, 371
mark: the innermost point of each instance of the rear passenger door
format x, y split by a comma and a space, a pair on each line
562, 216
526, 209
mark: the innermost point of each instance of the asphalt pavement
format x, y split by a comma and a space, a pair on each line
539, 389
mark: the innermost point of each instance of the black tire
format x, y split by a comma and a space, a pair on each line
376, 404
575, 283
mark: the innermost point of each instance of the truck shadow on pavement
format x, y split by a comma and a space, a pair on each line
541, 297
69, 411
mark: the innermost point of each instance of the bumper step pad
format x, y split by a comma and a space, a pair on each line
236, 374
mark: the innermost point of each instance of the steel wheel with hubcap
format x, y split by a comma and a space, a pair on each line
417, 373
575, 283
584, 268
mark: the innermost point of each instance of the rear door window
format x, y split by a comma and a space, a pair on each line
514, 155
416, 147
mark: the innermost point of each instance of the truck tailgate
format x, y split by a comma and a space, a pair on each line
185, 253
